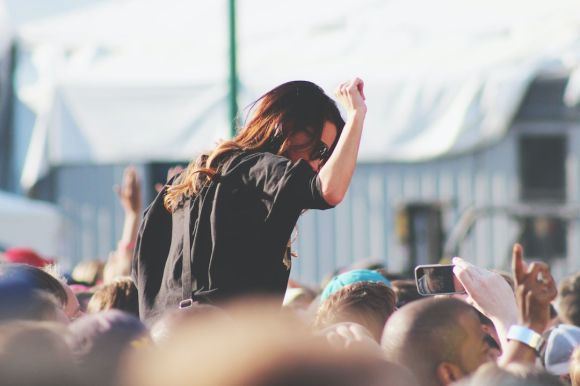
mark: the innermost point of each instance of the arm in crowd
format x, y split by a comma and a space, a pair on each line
129, 193
535, 290
490, 294
130, 197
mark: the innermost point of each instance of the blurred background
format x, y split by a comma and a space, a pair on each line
471, 140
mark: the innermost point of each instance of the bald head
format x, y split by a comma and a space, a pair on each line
428, 332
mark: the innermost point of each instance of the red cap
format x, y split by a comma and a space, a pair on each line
26, 256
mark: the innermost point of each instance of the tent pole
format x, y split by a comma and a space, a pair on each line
233, 76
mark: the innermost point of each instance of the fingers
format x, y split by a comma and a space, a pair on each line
352, 87
461, 272
518, 267
360, 85
542, 280
468, 274
341, 90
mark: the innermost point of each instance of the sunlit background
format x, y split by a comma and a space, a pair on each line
471, 139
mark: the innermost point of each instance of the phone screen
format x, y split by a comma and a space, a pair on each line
437, 279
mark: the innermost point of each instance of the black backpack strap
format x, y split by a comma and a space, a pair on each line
190, 250
187, 288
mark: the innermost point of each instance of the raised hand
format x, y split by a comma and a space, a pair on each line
535, 289
130, 191
489, 293
351, 96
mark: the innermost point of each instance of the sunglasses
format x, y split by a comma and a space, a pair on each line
321, 152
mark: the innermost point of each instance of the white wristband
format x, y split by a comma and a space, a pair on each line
526, 336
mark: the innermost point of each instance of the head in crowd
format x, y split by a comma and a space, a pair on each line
559, 344
19, 300
369, 304
100, 340
351, 277
263, 349
35, 354
491, 336
298, 298
37, 279
569, 300
288, 120
89, 272
575, 367
121, 294
72, 307
439, 339
513, 375
406, 291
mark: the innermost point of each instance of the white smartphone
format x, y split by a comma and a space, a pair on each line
437, 279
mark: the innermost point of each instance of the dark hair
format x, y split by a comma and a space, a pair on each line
121, 294
292, 107
406, 291
367, 303
36, 278
569, 305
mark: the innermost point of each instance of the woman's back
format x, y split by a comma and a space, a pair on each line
241, 224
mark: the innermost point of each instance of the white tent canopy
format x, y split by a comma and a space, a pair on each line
141, 80
33, 224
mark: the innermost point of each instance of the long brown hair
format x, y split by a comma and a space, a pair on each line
287, 109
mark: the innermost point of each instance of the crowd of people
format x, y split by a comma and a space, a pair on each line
362, 326
127, 322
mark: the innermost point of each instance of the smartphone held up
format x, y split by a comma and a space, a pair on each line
437, 279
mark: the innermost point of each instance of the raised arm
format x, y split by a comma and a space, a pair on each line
490, 294
336, 173
535, 289
119, 261
130, 197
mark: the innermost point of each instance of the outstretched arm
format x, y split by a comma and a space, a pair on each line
535, 289
336, 173
119, 261
130, 197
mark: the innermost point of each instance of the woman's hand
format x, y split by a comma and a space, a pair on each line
351, 96
489, 293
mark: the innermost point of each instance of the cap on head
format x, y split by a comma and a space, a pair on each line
558, 348
26, 256
351, 277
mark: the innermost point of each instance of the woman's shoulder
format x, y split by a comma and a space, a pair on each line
247, 160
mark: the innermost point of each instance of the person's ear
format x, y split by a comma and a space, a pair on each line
447, 373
